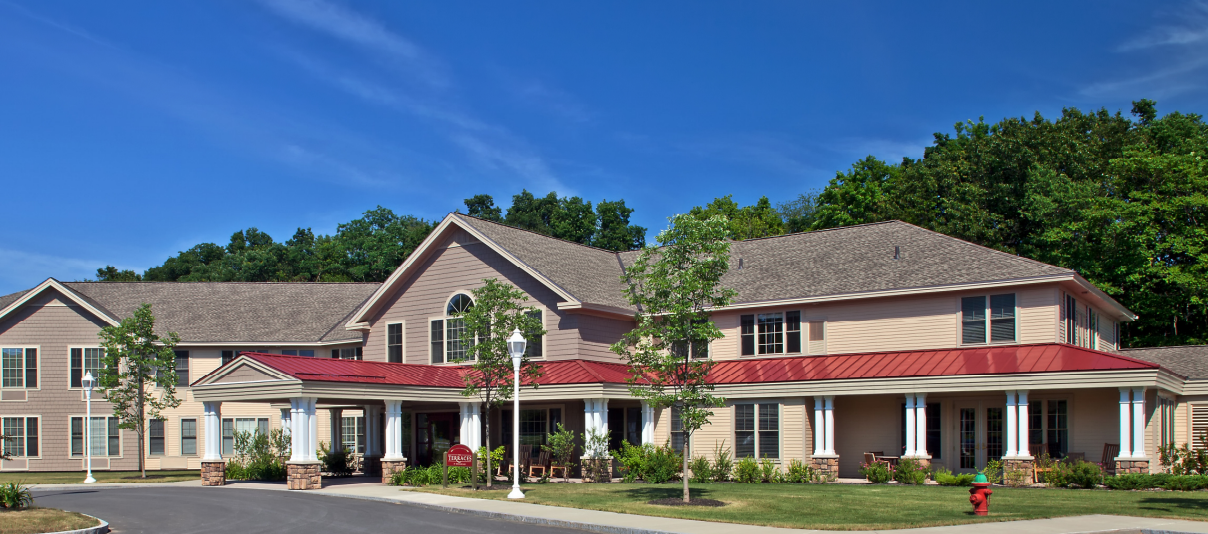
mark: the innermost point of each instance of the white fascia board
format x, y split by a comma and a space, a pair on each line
51, 283
242, 344
1121, 312
596, 309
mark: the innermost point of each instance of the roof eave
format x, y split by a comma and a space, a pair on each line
51, 283
1121, 311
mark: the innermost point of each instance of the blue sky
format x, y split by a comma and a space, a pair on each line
132, 130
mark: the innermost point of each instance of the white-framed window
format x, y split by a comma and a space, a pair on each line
310, 353
230, 355
1049, 427
181, 367
679, 438
230, 425
155, 437
394, 342
1166, 408
106, 438
85, 360
352, 433
449, 340
19, 368
20, 436
536, 344
347, 353
988, 319
757, 430
777, 332
188, 437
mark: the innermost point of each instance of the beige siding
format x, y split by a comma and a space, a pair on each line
1094, 421
460, 264
719, 432
865, 424
597, 334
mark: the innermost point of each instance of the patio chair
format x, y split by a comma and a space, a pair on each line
1075, 457
1110, 452
542, 465
872, 457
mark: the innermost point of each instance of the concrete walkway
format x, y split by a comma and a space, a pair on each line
616, 523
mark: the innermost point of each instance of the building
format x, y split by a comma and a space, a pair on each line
879, 338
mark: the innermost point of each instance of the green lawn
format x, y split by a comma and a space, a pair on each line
855, 506
77, 477
35, 520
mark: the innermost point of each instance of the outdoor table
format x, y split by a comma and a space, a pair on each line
891, 460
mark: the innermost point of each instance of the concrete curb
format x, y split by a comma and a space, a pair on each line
515, 518
102, 528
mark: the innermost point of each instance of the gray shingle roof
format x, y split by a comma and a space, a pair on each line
853, 259
1188, 360
214, 312
10, 298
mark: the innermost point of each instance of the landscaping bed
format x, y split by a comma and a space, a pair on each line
852, 506
108, 477
38, 520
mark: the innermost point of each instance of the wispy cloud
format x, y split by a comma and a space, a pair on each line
1174, 55
523, 163
352, 27
19, 268
541, 95
771, 152
1191, 28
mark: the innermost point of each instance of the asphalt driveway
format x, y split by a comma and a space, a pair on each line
197, 509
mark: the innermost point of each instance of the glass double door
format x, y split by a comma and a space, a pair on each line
980, 431
434, 434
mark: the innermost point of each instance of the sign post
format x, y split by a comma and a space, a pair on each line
458, 456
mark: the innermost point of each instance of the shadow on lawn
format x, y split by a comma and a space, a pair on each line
654, 492
1186, 503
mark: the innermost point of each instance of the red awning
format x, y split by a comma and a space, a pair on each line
1014, 359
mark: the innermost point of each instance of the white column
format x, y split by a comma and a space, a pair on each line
1012, 427
477, 423
1125, 423
589, 416
465, 423
213, 430
337, 429
647, 423
920, 421
830, 425
392, 420
819, 426
1138, 413
1024, 421
603, 415
297, 433
312, 430
910, 426
286, 424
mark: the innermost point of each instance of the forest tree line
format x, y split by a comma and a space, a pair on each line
1117, 198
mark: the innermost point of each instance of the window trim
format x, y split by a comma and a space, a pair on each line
544, 326
24, 370
1040, 404
733, 406
402, 325
545, 407
444, 329
802, 332
121, 442
41, 436
234, 428
960, 320
163, 437
180, 436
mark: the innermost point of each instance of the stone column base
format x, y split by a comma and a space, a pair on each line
826, 466
921, 461
390, 467
371, 466
1018, 471
596, 469
213, 473
304, 476
1132, 465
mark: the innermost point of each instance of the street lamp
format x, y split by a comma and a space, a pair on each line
88, 382
516, 345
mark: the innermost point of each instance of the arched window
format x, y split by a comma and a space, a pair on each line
450, 342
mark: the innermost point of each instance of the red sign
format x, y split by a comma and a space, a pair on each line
459, 456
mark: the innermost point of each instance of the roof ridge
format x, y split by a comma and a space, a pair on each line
1164, 347
537, 233
149, 282
592, 372
990, 249
807, 232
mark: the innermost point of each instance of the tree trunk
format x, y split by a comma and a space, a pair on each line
486, 438
142, 459
687, 439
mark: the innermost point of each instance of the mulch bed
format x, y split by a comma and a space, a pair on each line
149, 477
679, 501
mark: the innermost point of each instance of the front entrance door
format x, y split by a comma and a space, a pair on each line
979, 435
434, 434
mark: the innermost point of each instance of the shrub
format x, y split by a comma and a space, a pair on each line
702, 470
723, 463
747, 471
14, 495
335, 463
909, 471
1183, 460
876, 472
653, 464
561, 447
598, 466
768, 471
258, 456
1085, 475
1186, 482
993, 471
1132, 481
946, 478
798, 472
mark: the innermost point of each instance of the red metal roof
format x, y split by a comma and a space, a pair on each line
1041, 358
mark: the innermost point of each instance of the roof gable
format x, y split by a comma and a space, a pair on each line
16, 301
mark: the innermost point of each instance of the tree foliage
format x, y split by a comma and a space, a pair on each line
573, 219
748, 222
498, 310
674, 286
138, 373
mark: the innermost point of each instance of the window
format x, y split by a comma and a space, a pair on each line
83, 361
757, 431
182, 368
1048, 428
533, 347
104, 432
188, 437
347, 353
155, 436
352, 434
229, 355
1092, 328
450, 342
19, 368
677, 431
394, 342
240, 424
535, 425
310, 353
405, 430
20, 436
1000, 316
771, 333
1166, 409
934, 444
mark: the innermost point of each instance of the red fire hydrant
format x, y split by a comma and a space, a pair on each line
979, 495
